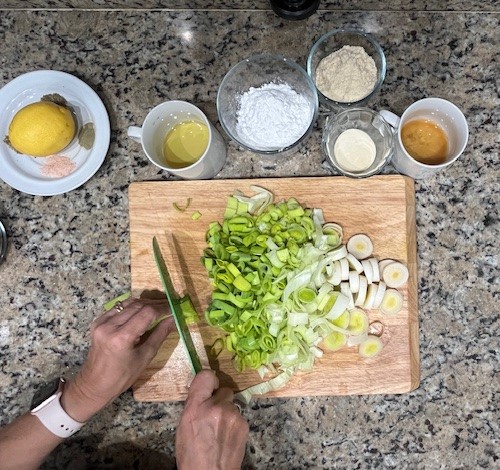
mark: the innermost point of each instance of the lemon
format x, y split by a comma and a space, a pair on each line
42, 129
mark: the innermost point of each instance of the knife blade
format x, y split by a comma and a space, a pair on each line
174, 302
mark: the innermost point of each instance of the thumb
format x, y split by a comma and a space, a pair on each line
202, 387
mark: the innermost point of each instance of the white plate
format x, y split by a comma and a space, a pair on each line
23, 172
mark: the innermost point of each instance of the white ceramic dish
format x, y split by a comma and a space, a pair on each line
23, 172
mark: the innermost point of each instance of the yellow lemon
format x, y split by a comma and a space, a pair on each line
42, 129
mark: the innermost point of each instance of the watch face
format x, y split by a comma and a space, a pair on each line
45, 391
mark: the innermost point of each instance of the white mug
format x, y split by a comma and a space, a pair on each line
160, 120
443, 113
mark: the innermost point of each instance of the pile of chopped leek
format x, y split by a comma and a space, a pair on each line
279, 293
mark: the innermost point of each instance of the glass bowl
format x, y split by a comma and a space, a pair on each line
254, 72
367, 121
335, 40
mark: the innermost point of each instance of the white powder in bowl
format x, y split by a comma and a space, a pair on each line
272, 117
346, 75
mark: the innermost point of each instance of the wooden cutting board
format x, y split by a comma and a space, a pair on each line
382, 207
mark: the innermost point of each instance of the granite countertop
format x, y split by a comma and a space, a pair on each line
68, 254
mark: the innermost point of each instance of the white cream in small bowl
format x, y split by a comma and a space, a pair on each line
358, 142
355, 150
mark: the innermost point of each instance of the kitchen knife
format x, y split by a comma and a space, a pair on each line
174, 302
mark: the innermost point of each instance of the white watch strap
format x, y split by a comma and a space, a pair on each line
55, 419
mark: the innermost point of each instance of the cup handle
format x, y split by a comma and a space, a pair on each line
135, 133
391, 118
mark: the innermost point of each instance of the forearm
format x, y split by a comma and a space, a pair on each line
120, 350
26, 442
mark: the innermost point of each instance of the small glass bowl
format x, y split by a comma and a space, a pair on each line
256, 71
365, 120
335, 40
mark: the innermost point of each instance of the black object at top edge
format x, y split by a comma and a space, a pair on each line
294, 10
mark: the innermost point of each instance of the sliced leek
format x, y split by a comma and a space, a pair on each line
370, 296
371, 347
380, 294
382, 264
343, 320
360, 246
338, 308
392, 303
180, 208
368, 270
273, 384
361, 295
354, 263
271, 266
344, 289
356, 340
121, 298
338, 253
335, 341
354, 281
344, 269
336, 277
358, 322
375, 269
395, 275
285, 285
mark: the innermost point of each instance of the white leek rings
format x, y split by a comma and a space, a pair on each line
343, 320
395, 275
345, 289
358, 322
383, 263
360, 246
371, 347
392, 302
354, 263
380, 294
368, 270
370, 295
335, 341
336, 276
375, 269
344, 269
363, 286
354, 281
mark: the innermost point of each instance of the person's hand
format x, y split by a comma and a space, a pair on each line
119, 352
211, 434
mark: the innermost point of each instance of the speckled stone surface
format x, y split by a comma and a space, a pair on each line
68, 254
349, 5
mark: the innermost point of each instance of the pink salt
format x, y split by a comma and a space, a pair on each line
57, 166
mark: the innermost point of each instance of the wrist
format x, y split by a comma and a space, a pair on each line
78, 403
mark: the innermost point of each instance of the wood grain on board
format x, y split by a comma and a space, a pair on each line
382, 207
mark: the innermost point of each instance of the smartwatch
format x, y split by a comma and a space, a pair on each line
46, 406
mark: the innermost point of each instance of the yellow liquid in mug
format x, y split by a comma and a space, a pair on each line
185, 143
425, 141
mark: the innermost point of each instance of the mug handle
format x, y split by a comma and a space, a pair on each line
392, 119
135, 133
